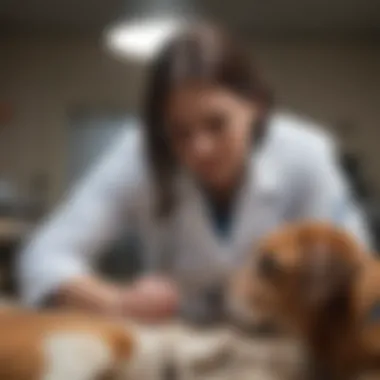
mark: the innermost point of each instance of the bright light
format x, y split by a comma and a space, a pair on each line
140, 39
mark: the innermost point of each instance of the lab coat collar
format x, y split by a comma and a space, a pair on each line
264, 171
262, 178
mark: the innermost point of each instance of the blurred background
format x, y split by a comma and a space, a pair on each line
66, 88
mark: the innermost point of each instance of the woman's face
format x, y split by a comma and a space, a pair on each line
210, 130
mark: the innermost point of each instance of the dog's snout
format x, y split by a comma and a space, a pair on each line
267, 265
264, 328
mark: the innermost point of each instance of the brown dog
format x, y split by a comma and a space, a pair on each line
315, 280
63, 345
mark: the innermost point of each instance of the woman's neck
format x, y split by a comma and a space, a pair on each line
224, 195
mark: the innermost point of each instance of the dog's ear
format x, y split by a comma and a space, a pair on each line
326, 273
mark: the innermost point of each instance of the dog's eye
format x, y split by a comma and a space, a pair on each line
268, 266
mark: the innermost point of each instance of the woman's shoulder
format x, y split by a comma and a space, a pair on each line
128, 148
293, 136
129, 141
124, 161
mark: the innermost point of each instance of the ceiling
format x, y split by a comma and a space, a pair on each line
250, 16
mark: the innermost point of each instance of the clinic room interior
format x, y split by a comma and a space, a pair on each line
105, 106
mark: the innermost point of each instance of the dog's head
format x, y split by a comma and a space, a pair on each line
295, 273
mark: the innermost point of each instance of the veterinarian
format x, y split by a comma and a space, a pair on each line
211, 169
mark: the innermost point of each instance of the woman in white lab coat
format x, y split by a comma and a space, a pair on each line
211, 170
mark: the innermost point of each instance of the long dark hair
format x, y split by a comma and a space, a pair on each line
204, 54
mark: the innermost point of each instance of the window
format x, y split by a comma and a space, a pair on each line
89, 135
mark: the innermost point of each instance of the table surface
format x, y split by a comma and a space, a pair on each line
223, 354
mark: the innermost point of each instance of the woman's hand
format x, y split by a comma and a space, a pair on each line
151, 299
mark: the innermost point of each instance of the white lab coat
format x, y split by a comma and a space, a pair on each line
292, 176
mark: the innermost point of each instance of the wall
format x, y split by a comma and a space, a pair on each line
46, 78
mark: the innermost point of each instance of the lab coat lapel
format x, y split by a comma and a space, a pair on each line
201, 251
256, 210
195, 212
254, 216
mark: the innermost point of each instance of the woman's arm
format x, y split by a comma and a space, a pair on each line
91, 294
59, 258
150, 298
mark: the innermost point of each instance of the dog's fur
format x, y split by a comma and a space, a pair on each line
316, 280
60, 345
70, 346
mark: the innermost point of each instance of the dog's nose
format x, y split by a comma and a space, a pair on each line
267, 266
264, 328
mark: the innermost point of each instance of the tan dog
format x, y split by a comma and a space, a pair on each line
61, 346
70, 346
314, 279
